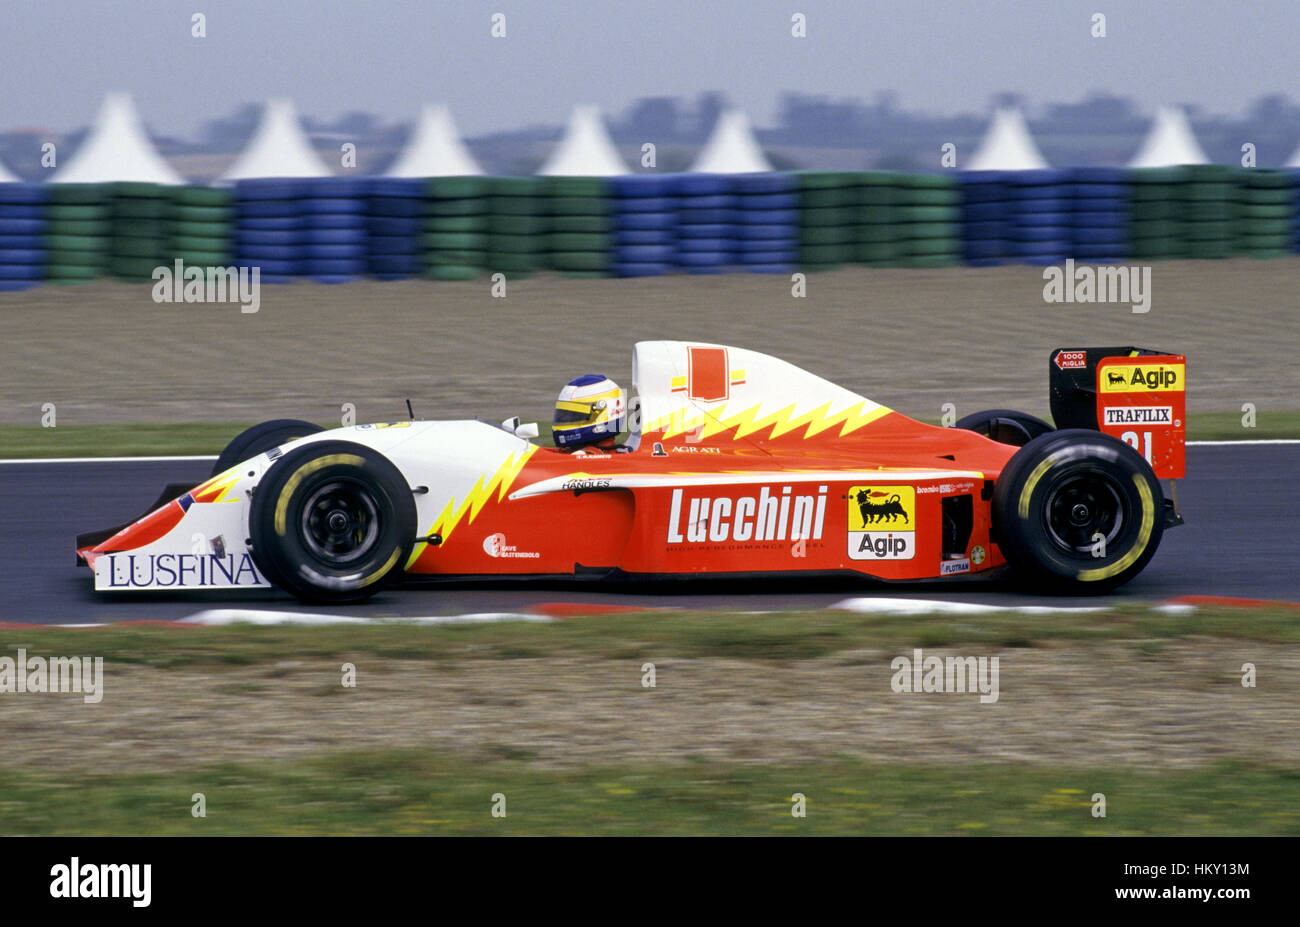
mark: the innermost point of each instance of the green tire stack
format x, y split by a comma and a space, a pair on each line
456, 228
828, 215
199, 227
1264, 215
78, 227
1157, 211
929, 219
578, 238
515, 226
140, 229
879, 235
1210, 211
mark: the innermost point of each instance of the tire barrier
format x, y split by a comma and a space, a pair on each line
767, 223
827, 218
77, 228
576, 218
200, 226
395, 218
514, 224
1264, 223
643, 225
460, 228
707, 223
334, 233
928, 211
270, 230
23, 240
987, 207
1041, 216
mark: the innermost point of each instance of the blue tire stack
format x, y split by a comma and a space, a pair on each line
1042, 216
768, 227
1100, 227
334, 211
22, 235
987, 217
707, 222
643, 214
269, 228
395, 209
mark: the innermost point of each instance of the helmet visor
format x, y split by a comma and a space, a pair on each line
569, 412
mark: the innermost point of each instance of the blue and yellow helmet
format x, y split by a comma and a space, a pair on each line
590, 408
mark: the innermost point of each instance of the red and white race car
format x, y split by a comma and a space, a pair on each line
738, 464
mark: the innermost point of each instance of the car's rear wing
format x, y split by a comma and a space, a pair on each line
1135, 394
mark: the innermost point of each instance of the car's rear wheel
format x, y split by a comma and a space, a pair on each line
1005, 426
332, 522
1077, 511
261, 438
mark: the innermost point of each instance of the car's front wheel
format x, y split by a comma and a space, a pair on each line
1077, 511
332, 522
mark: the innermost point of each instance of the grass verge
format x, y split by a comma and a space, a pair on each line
419, 793
777, 636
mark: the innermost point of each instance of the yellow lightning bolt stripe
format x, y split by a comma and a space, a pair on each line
453, 514
217, 488
784, 420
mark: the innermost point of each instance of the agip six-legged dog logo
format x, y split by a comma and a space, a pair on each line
878, 507
881, 521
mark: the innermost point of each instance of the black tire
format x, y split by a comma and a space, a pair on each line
1062, 489
332, 522
1005, 426
261, 438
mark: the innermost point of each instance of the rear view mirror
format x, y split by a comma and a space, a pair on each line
526, 431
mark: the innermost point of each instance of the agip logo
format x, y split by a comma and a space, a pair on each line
882, 522
1142, 378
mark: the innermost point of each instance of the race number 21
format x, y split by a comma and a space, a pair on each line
1141, 445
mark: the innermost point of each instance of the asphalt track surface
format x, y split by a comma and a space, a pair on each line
1240, 504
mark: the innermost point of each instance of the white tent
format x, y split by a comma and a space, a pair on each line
278, 148
117, 148
1170, 142
1007, 146
585, 150
731, 148
435, 149
1295, 159
6, 176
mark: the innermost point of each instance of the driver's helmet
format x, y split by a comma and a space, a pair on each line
590, 409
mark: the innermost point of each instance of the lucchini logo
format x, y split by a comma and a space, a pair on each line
954, 675
1087, 284
196, 284
54, 674
105, 880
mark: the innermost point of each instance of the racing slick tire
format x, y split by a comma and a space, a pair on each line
261, 438
1005, 426
332, 522
1077, 512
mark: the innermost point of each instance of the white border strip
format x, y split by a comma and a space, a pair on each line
1243, 441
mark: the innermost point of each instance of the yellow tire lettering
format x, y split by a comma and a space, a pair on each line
306, 470
1027, 490
1140, 545
382, 571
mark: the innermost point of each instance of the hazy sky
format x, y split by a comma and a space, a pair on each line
390, 56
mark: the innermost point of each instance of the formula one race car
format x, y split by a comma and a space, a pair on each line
737, 465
